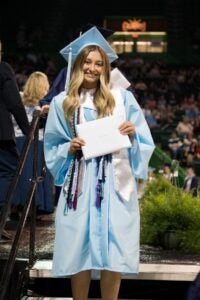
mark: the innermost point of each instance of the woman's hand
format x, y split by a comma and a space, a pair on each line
45, 109
127, 128
76, 144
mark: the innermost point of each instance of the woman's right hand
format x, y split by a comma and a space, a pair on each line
76, 144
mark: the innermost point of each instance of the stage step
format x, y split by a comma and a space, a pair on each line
154, 282
167, 272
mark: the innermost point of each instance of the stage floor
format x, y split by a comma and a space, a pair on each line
162, 273
45, 231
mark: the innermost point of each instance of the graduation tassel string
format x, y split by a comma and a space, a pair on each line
70, 188
68, 70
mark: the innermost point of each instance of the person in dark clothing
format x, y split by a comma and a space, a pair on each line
58, 86
193, 292
191, 181
10, 104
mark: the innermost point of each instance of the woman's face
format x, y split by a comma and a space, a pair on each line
92, 69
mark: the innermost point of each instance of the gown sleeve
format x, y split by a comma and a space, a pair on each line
143, 144
57, 138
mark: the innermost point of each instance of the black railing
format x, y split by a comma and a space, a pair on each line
28, 209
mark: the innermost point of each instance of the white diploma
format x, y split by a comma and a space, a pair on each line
102, 136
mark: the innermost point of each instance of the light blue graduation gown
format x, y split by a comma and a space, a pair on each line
91, 238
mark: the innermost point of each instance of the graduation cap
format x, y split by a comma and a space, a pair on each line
91, 37
104, 31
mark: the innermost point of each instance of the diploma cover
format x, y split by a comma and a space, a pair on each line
102, 136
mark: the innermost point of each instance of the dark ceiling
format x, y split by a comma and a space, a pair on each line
68, 15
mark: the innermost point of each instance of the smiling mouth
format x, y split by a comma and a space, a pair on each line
90, 75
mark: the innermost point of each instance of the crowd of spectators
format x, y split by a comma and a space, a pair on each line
170, 98
168, 94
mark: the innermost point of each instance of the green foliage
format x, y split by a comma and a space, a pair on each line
166, 208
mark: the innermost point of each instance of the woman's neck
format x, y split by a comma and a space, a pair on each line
89, 86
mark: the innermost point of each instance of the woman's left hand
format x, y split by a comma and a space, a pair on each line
127, 128
45, 109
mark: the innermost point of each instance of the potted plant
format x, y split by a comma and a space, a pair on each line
170, 217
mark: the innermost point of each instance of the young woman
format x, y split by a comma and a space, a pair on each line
97, 218
35, 88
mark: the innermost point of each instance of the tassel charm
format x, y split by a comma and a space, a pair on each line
98, 194
101, 166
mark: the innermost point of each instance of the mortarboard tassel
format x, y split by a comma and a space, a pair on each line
69, 66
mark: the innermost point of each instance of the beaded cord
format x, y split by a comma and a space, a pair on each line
70, 188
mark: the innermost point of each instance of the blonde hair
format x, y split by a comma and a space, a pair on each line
103, 99
35, 88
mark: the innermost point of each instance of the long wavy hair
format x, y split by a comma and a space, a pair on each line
103, 98
35, 88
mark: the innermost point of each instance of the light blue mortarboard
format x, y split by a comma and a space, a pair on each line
91, 37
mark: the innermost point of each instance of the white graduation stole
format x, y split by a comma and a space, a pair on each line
124, 179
